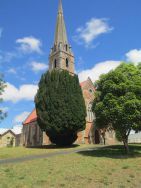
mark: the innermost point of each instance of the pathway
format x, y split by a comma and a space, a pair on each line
42, 156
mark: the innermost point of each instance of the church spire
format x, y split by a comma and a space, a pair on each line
61, 56
60, 9
60, 34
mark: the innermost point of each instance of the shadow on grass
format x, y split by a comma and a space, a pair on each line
116, 151
54, 147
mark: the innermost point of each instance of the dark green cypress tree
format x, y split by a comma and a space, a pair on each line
60, 107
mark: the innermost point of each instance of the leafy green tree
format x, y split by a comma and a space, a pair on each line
2, 86
139, 66
117, 101
118, 136
60, 107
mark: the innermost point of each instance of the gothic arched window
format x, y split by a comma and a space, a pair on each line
55, 63
90, 114
66, 47
67, 63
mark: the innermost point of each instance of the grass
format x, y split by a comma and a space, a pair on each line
104, 168
15, 152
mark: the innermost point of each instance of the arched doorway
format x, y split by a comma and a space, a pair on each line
97, 137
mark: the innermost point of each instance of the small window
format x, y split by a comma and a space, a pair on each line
67, 63
90, 90
55, 63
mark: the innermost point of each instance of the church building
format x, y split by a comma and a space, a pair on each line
62, 58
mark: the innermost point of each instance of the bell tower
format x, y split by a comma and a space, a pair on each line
61, 56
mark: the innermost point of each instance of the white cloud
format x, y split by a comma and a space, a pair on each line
7, 56
1, 30
30, 45
97, 70
134, 56
17, 129
24, 92
12, 71
21, 117
38, 66
92, 29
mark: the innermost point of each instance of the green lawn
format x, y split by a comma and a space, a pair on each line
15, 152
109, 168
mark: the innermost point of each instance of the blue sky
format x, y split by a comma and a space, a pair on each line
101, 33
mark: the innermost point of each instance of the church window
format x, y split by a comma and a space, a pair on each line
90, 114
67, 63
55, 63
60, 46
90, 90
66, 47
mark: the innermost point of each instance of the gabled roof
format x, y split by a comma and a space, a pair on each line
87, 82
8, 132
31, 118
2, 131
16, 130
83, 83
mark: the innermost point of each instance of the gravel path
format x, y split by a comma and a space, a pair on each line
42, 156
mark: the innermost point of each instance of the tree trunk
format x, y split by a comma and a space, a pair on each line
125, 141
103, 136
104, 141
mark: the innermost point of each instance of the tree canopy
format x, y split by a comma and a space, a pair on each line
117, 101
60, 107
2, 86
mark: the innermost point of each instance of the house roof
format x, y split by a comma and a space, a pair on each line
2, 131
83, 83
86, 82
8, 132
15, 130
31, 118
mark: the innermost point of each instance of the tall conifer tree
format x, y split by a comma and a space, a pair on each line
60, 107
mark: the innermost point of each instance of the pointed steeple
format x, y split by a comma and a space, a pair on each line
60, 34
61, 55
60, 8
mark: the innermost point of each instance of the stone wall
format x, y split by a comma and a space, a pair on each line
32, 135
7, 139
87, 136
